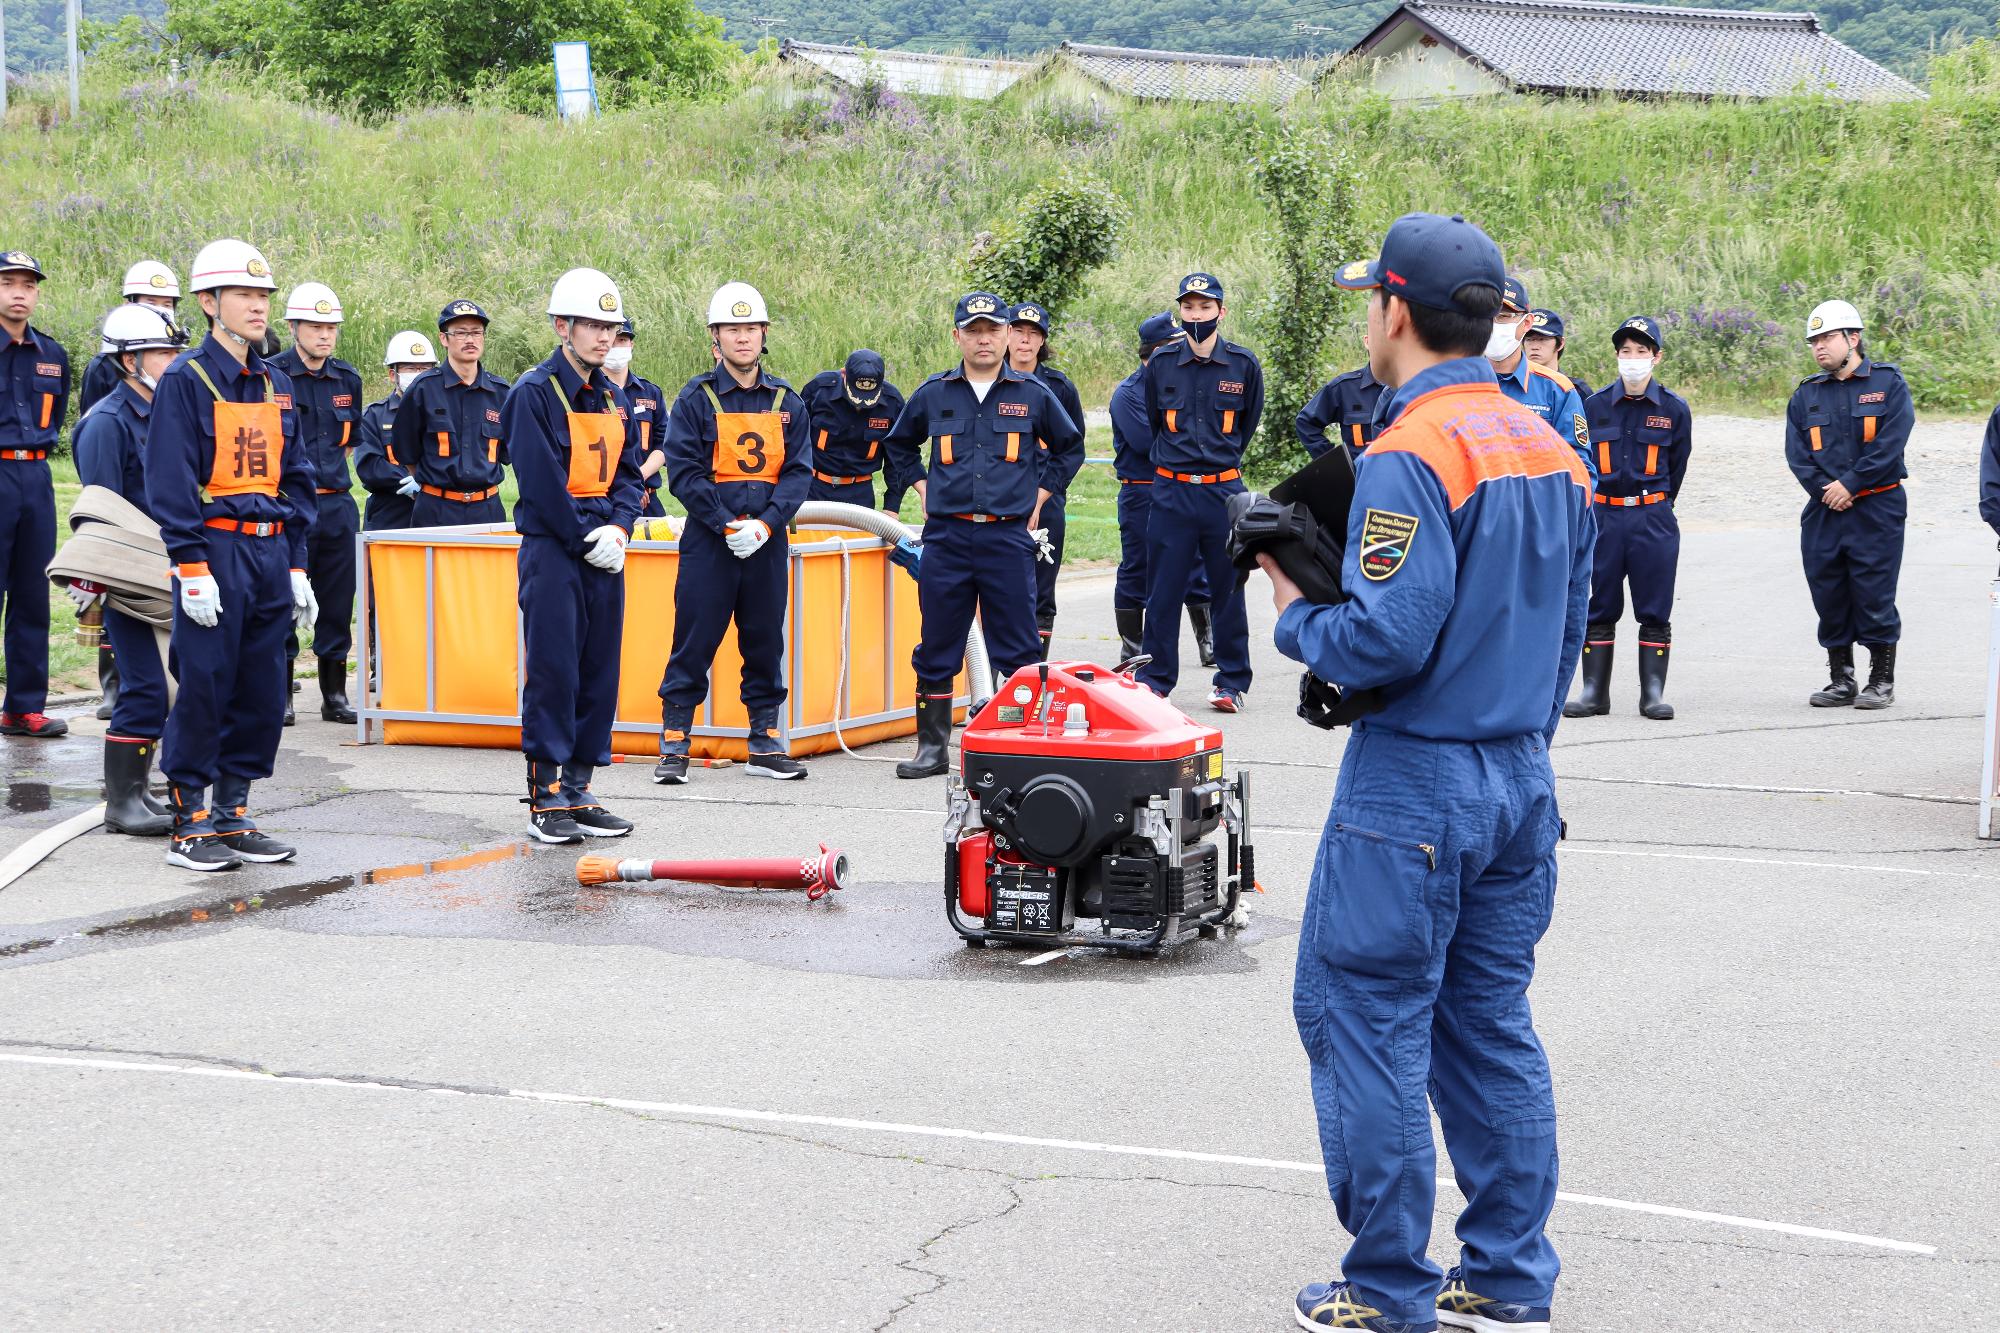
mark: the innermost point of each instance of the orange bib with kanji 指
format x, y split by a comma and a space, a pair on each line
749, 446
249, 442
596, 439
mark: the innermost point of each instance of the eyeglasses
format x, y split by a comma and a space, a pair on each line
464, 335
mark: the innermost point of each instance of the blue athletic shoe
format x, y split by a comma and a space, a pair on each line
1460, 1307
1334, 1305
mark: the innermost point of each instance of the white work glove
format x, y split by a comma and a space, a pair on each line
408, 486
201, 600
305, 606
84, 594
1045, 550
607, 548
747, 536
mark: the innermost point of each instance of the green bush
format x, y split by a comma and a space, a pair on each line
1043, 253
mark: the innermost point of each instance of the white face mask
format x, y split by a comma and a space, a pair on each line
618, 358
1506, 338
1635, 370
147, 380
405, 378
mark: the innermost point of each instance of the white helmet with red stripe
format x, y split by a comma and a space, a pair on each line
149, 277
313, 302
231, 263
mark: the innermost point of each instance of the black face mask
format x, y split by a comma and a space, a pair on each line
1198, 330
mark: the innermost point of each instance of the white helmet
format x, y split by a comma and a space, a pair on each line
1831, 317
313, 302
737, 303
230, 263
409, 348
134, 328
149, 277
585, 293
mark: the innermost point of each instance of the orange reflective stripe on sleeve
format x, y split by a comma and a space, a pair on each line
444, 444
645, 438
346, 430
493, 451
1171, 420
944, 450
1652, 459
1814, 432
48, 409
873, 447
1013, 447
1228, 421
1867, 429
821, 444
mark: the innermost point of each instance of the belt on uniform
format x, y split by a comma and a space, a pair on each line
1876, 490
1632, 501
330, 490
1135, 481
246, 529
24, 455
463, 497
988, 518
1197, 479
832, 480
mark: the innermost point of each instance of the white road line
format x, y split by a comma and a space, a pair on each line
737, 1113
1041, 958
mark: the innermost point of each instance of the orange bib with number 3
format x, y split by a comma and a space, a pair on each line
749, 446
249, 442
596, 439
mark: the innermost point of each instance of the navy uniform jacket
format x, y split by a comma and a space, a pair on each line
100, 377
1203, 411
1583, 389
1989, 473
1642, 444
1852, 431
984, 458
110, 444
847, 440
648, 404
691, 452
473, 450
378, 470
1346, 406
36, 373
1063, 464
180, 455
328, 404
537, 428
1131, 430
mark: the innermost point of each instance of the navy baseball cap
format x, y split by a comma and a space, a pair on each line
1200, 284
1547, 323
627, 330
975, 306
461, 310
20, 261
865, 369
1425, 258
1160, 328
1640, 326
1514, 295
1029, 313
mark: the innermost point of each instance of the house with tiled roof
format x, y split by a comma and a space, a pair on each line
1434, 49
1175, 76
920, 72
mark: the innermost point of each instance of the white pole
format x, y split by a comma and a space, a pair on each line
72, 8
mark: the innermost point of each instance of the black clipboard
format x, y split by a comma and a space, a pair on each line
1325, 487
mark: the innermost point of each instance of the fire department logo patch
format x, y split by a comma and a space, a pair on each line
1539, 320
158, 281
492, 416
283, 400
257, 268
1582, 424
1355, 271
343, 400
1385, 542
741, 309
322, 307
1879, 396
48, 368
1659, 423
1197, 284
784, 418
1013, 409
879, 423
608, 303
1229, 386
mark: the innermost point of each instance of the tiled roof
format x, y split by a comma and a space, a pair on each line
909, 71
1183, 75
1568, 45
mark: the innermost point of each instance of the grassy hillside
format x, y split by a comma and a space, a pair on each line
1727, 221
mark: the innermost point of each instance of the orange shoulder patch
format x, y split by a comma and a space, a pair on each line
1470, 434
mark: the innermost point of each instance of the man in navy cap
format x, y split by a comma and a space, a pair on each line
34, 372
1544, 342
983, 487
447, 431
1342, 412
1132, 459
1028, 354
852, 409
1467, 573
1549, 394
1642, 433
1204, 398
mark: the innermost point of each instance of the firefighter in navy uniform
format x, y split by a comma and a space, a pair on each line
1845, 432
647, 403
1544, 344
1204, 398
326, 402
1132, 460
576, 461
982, 490
140, 342
232, 491
1642, 433
739, 459
388, 482
1343, 410
148, 283
1028, 354
34, 371
447, 432
852, 409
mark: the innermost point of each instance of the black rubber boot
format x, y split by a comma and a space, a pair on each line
1045, 629
548, 812
933, 756
1593, 673
1655, 644
107, 681
1880, 691
1840, 690
1131, 622
333, 705
127, 761
152, 802
1204, 631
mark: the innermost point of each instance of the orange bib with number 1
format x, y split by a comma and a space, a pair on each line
749, 446
249, 442
596, 439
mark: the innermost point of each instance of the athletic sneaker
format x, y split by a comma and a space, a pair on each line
39, 725
671, 771
594, 821
1458, 1307
1334, 1305
780, 766
554, 826
1228, 701
203, 853
253, 845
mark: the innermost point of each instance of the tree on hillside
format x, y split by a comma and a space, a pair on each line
1045, 249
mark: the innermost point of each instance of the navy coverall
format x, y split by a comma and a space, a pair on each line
35, 371
648, 404
847, 441
110, 449
1642, 445
378, 470
1345, 406
1132, 460
327, 403
447, 432
1057, 476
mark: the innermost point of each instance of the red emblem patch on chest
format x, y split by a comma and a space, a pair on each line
343, 400
1879, 396
648, 404
785, 418
1229, 386
48, 368
1013, 409
1660, 423
879, 423
492, 417
283, 400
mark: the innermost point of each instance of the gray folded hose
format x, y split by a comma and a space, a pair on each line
833, 513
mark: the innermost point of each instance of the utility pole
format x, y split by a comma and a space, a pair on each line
72, 6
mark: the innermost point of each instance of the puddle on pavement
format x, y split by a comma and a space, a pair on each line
519, 892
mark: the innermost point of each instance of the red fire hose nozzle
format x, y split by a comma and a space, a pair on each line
817, 875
